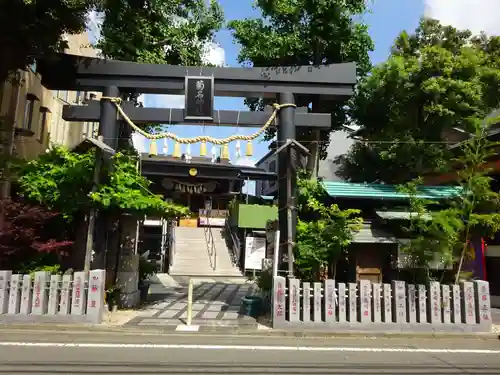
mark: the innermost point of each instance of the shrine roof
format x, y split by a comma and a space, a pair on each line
336, 189
200, 167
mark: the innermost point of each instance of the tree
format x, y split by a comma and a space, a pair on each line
475, 212
435, 80
159, 32
433, 234
324, 232
31, 29
305, 32
32, 236
62, 180
174, 32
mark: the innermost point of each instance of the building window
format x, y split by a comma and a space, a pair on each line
29, 107
43, 123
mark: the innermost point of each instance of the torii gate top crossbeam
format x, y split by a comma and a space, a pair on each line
174, 116
70, 72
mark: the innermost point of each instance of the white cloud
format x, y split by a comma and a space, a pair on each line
94, 25
475, 15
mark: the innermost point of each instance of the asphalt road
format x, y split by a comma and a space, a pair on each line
109, 353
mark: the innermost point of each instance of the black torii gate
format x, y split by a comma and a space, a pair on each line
111, 77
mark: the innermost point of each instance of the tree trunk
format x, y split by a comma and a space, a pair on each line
80, 243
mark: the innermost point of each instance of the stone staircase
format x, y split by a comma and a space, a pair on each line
191, 255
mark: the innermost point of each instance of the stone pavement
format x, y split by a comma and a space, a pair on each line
215, 304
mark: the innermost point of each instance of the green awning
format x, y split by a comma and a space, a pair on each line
400, 215
339, 189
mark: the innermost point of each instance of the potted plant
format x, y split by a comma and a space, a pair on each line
146, 270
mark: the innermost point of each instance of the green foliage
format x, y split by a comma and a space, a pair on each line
434, 81
474, 213
159, 32
323, 232
304, 32
433, 235
63, 180
31, 29
54, 269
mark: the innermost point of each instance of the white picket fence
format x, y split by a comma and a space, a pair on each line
386, 307
52, 298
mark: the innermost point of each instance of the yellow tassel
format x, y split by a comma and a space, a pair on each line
177, 150
249, 149
153, 149
203, 148
225, 152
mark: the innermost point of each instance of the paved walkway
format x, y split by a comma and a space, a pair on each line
214, 304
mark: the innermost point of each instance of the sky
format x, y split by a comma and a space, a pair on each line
386, 20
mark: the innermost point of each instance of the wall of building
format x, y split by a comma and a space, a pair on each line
36, 112
340, 142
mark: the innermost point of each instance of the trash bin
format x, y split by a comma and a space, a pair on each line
251, 306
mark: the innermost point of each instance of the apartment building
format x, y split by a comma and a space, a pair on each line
340, 142
31, 115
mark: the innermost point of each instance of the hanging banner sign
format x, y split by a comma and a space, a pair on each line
199, 95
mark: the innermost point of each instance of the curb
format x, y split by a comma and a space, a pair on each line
232, 331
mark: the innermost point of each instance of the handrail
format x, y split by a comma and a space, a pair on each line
235, 243
209, 240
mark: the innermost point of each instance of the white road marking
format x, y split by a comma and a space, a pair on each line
248, 347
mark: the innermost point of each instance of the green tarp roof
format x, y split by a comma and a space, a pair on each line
337, 189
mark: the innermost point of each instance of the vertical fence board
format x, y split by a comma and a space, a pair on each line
317, 302
26, 295
377, 303
329, 289
434, 313
469, 304
445, 295
306, 302
293, 300
483, 303
279, 300
95, 304
387, 311
456, 315
40, 295
365, 304
15, 294
5, 277
412, 303
341, 292
353, 303
66, 288
78, 300
422, 304
55, 285
399, 302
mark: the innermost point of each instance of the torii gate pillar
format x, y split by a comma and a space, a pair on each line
287, 181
